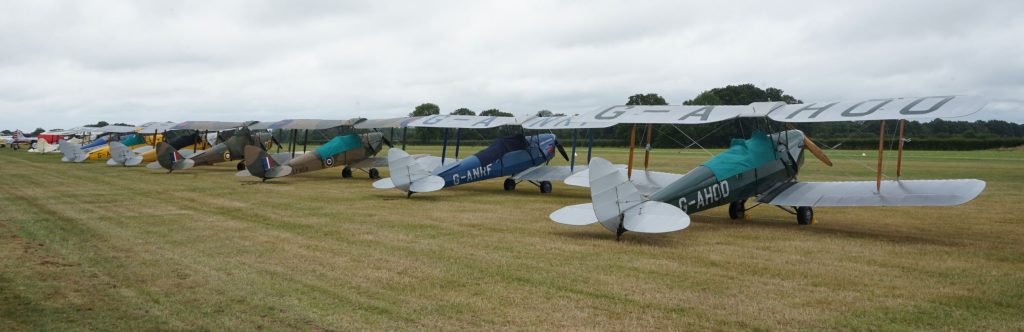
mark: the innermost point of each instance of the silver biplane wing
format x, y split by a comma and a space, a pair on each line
881, 109
863, 193
462, 121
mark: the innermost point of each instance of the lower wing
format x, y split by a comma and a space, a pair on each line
863, 193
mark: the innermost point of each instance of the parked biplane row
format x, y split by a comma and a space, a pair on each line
762, 168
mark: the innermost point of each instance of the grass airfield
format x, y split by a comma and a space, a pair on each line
88, 246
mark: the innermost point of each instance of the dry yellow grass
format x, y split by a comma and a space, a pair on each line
86, 246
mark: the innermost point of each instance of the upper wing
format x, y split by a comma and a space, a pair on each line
563, 122
862, 193
881, 109
462, 121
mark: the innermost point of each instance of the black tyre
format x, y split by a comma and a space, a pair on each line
804, 215
545, 187
346, 172
240, 166
510, 184
737, 209
374, 173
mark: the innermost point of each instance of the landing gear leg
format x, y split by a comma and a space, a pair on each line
374, 173
408, 194
346, 172
510, 184
240, 166
804, 215
737, 209
620, 231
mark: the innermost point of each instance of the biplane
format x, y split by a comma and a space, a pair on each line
354, 151
763, 167
171, 159
517, 157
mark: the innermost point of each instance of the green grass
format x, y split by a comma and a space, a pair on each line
87, 246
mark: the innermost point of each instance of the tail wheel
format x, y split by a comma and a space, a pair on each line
545, 187
737, 209
240, 166
346, 172
510, 184
804, 215
374, 173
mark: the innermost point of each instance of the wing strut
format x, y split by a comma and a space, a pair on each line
647, 148
881, 139
458, 141
632, 144
899, 155
444, 147
572, 161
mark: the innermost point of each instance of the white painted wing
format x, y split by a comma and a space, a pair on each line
462, 121
575, 215
881, 109
668, 114
654, 217
563, 122
862, 193
384, 183
647, 182
546, 173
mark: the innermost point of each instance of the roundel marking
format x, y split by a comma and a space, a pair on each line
329, 162
227, 155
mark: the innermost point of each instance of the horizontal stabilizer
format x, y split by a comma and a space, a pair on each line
863, 193
384, 183
184, 164
154, 165
575, 215
279, 171
243, 172
654, 217
282, 158
427, 184
143, 149
112, 162
133, 161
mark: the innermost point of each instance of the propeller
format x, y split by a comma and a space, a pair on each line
561, 150
386, 141
816, 151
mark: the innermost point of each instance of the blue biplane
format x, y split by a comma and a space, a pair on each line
517, 157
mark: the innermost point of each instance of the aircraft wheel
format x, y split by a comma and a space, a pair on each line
545, 187
374, 173
737, 209
32, 146
346, 172
240, 166
510, 184
804, 215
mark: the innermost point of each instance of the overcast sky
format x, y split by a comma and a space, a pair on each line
64, 64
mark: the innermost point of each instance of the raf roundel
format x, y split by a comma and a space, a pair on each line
227, 155
329, 162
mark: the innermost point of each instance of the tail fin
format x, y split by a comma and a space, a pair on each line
408, 175
170, 159
259, 164
71, 152
619, 207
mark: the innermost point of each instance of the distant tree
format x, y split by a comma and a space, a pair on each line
37, 131
426, 109
123, 124
742, 94
6, 132
495, 112
547, 113
646, 99
463, 111
98, 124
57, 129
